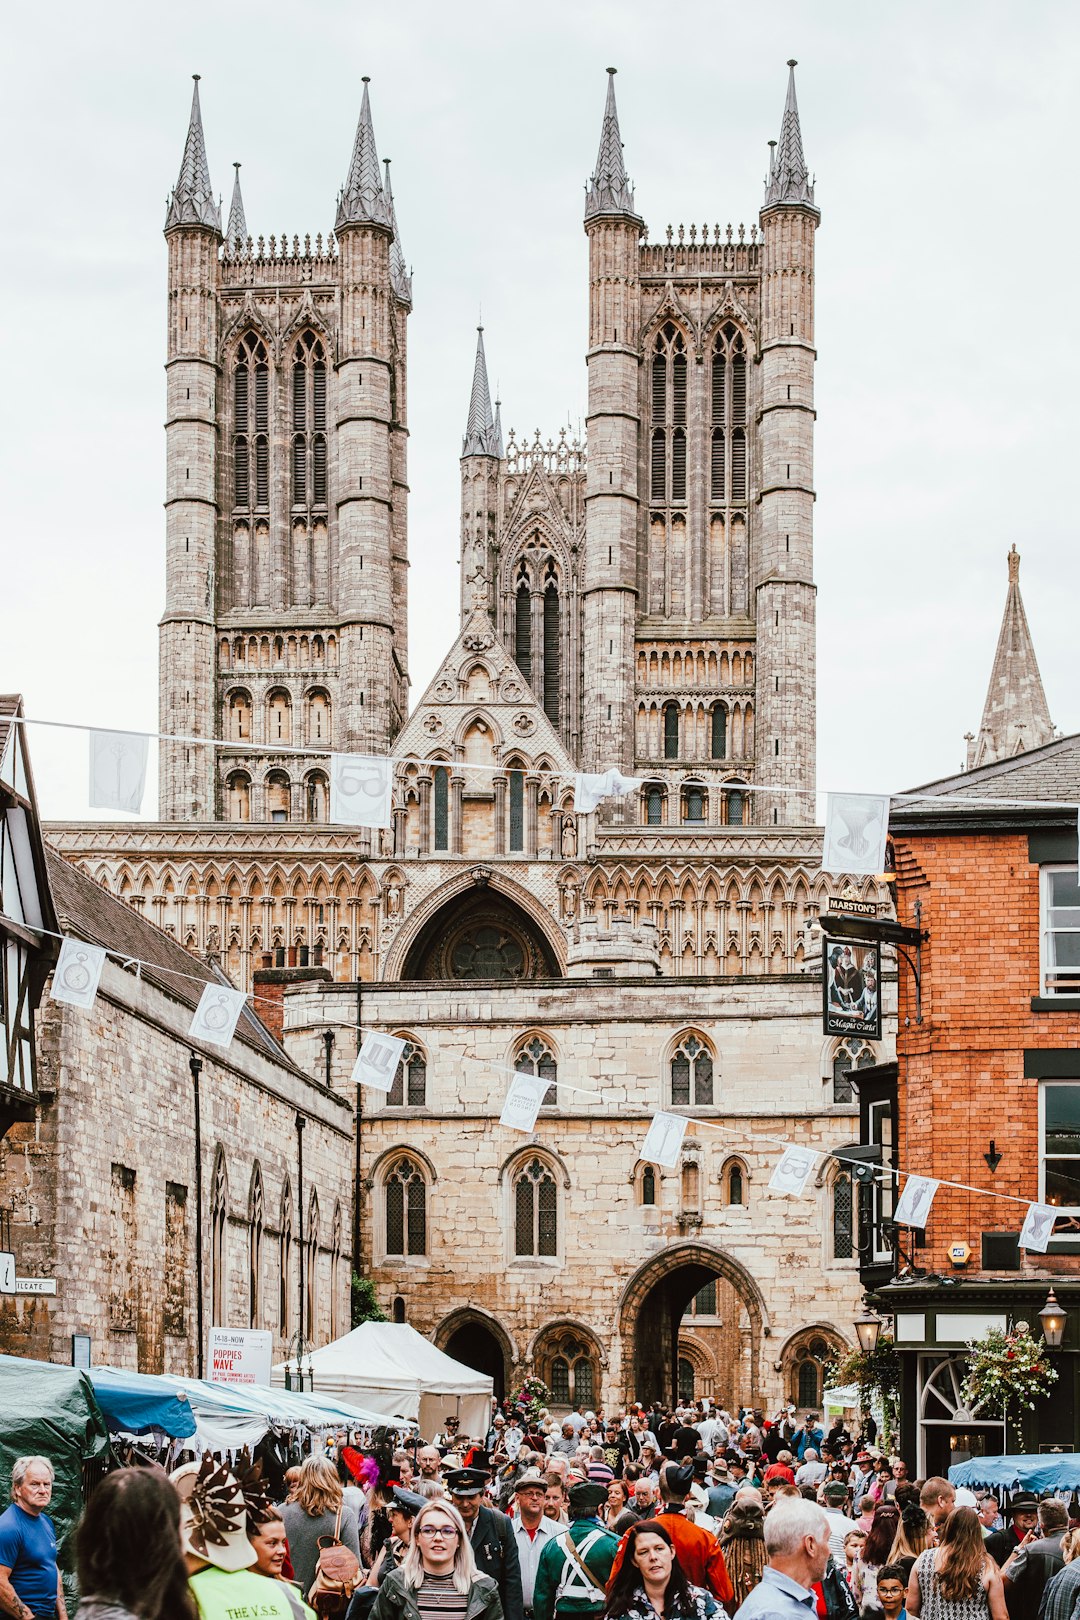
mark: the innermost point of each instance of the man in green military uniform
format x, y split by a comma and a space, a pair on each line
573, 1571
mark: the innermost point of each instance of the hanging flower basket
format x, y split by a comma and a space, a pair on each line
531, 1398
1007, 1373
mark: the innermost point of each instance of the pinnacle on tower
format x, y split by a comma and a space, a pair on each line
497, 430
610, 191
400, 279
363, 200
192, 201
481, 436
236, 234
1015, 715
789, 179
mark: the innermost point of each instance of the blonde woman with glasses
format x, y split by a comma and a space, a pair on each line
438, 1578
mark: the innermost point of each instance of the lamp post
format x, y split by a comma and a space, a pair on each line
1053, 1319
867, 1328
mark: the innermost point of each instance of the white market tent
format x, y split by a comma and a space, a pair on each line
388, 1367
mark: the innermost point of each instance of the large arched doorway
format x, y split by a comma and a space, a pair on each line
663, 1297
479, 1344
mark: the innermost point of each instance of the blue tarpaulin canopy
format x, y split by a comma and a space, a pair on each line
1052, 1471
134, 1403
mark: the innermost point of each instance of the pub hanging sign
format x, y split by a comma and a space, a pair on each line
851, 999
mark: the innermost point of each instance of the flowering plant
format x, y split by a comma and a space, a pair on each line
531, 1398
1006, 1371
876, 1372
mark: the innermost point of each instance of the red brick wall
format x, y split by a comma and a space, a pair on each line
962, 1070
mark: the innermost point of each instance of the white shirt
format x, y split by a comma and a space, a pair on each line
529, 1550
839, 1527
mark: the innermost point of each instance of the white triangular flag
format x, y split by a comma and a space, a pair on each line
361, 790
215, 1016
664, 1141
588, 791
856, 832
793, 1171
913, 1207
523, 1102
117, 770
77, 973
377, 1061
1038, 1227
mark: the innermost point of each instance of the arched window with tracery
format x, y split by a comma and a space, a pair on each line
728, 464
850, 1054
806, 1372
691, 1074
251, 426
668, 400
405, 1209
309, 487
285, 1246
219, 1227
256, 1218
409, 1089
537, 1058
535, 1210
571, 1370
238, 791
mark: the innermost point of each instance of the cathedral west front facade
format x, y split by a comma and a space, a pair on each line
643, 600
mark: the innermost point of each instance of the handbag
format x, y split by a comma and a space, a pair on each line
336, 1574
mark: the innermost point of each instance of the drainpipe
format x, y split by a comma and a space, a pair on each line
300, 1123
195, 1065
356, 1172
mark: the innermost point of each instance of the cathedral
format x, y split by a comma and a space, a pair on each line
643, 601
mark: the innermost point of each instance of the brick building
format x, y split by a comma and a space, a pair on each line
986, 1087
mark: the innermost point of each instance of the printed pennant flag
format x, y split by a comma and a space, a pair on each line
793, 1171
1038, 1227
77, 973
523, 1102
361, 790
664, 1141
117, 770
377, 1061
856, 832
216, 1015
611, 784
913, 1206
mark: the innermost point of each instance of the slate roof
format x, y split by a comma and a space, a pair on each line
1047, 774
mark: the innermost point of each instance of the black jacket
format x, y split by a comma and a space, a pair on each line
496, 1554
1039, 1561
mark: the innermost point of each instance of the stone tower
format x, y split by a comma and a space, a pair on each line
481, 454
286, 619
1015, 715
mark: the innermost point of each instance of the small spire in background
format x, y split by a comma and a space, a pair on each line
236, 234
480, 434
400, 279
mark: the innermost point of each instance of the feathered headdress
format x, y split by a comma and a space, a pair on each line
215, 1505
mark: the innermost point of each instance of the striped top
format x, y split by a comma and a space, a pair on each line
437, 1598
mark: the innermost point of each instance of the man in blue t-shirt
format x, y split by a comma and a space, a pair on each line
30, 1586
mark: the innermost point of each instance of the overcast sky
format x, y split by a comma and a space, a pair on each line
943, 140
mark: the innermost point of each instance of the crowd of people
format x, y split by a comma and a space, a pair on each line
688, 1513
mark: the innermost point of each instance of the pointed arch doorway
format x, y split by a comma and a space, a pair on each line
652, 1310
478, 1341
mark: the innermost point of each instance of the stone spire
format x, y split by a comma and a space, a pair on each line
789, 179
192, 201
481, 435
497, 430
1015, 715
610, 191
363, 200
236, 234
400, 279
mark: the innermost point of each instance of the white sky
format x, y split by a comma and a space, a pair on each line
943, 140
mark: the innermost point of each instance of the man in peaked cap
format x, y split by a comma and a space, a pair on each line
532, 1529
491, 1535
699, 1553
574, 1568
219, 1556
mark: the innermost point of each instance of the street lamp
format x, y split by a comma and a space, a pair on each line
867, 1328
1052, 1318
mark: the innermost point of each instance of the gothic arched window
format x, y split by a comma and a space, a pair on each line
441, 807
671, 731
537, 1058
734, 1183
852, 1054
535, 1210
285, 1243
219, 1221
251, 425
309, 423
718, 728
809, 1383
648, 1185
668, 391
255, 1238
728, 463
405, 1206
691, 1074
410, 1079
